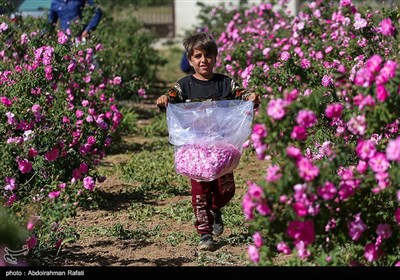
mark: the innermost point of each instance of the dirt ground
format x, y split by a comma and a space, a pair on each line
112, 251
93, 249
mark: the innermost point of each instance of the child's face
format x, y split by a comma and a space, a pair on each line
202, 63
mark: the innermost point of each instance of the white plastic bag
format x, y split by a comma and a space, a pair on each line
208, 136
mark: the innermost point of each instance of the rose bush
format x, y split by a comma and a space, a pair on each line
328, 125
58, 115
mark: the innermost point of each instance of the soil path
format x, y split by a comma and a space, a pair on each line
97, 248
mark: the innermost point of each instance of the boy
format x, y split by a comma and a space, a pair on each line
207, 197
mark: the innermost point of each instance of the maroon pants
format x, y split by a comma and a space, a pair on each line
208, 196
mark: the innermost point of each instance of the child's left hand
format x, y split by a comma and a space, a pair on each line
255, 98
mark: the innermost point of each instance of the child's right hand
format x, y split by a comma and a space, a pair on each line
162, 102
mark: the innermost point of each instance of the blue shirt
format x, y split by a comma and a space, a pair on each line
69, 10
185, 65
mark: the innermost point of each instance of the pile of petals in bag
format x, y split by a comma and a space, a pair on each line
208, 136
206, 162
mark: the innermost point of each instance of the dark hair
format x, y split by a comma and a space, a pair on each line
201, 41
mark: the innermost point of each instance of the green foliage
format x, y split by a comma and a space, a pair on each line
181, 211
12, 234
52, 239
170, 72
154, 169
175, 238
119, 230
128, 47
157, 128
128, 123
215, 17
6, 7
128, 51
141, 212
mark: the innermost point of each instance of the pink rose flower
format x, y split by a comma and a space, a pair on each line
25, 166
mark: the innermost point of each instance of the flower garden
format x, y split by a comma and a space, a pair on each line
328, 126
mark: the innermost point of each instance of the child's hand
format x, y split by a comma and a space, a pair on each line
255, 98
162, 101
